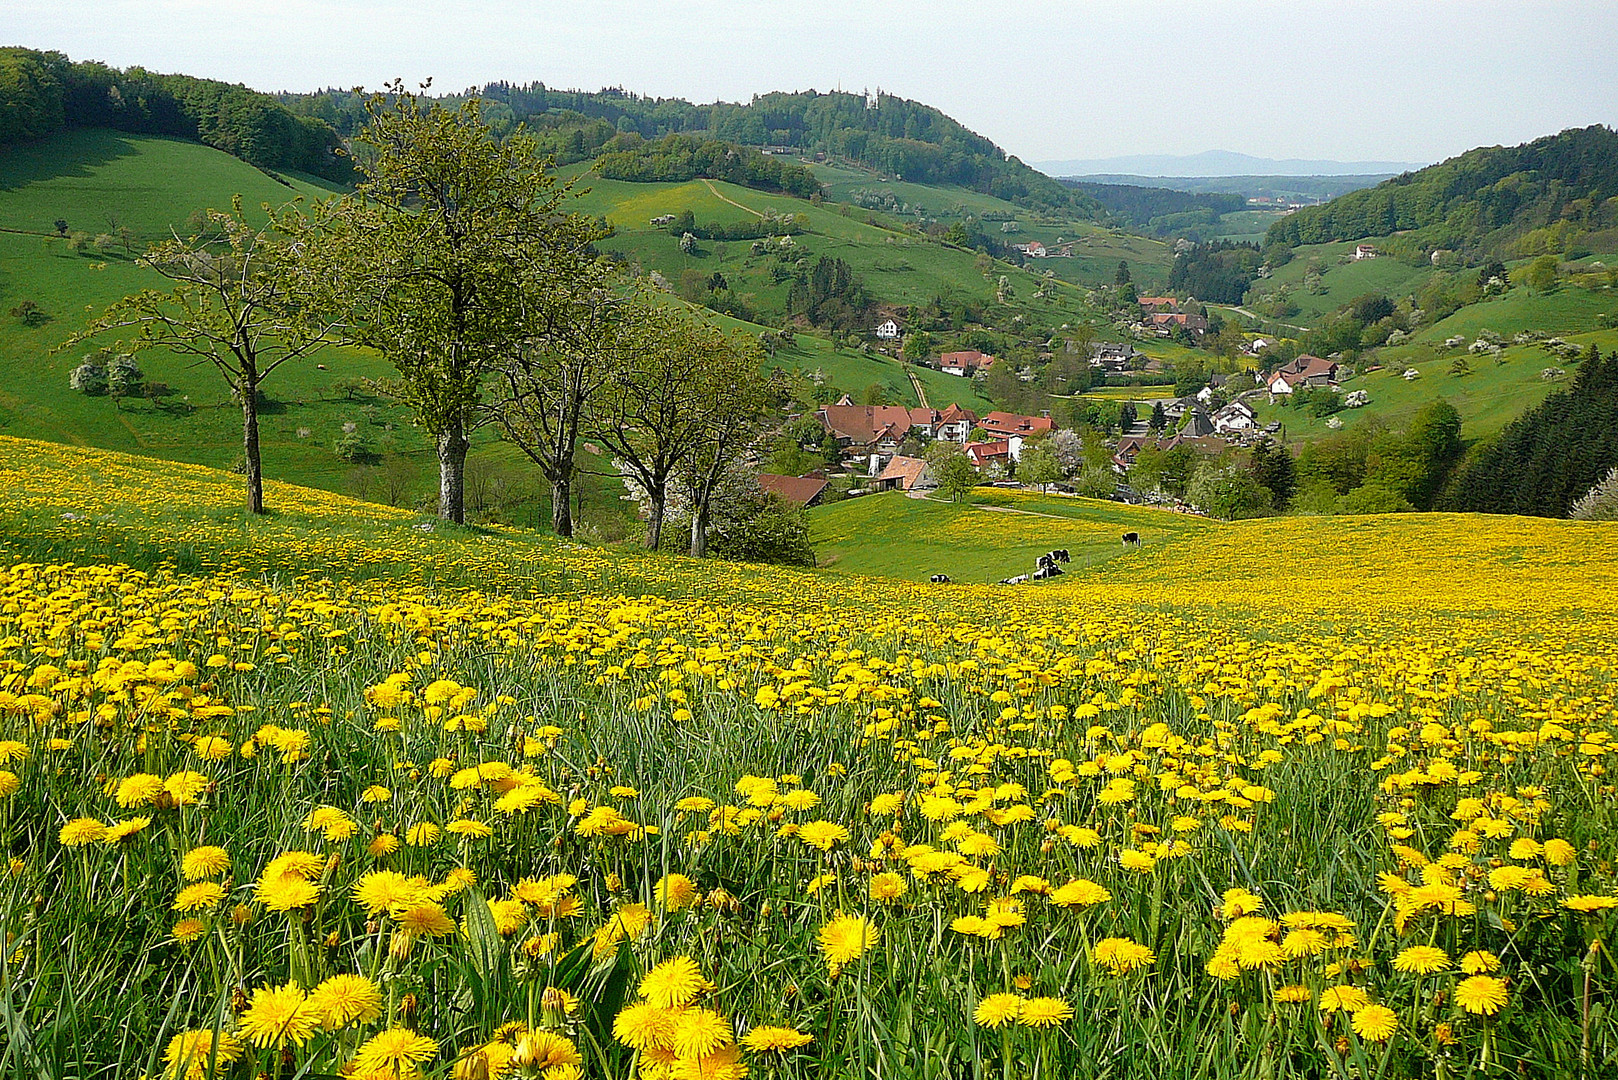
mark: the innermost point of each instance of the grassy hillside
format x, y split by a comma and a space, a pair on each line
1553, 194
470, 766
1344, 282
1097, 251
896, 267
100, 180
1493, 393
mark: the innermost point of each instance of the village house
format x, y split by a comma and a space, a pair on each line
995, 454
1364, 251
1235, 417
1216, 383
887, 330
1003, 425
1166, 321
902, 474
805, 491
1033, 249
1112, 357
1130, 446
1158, 303
966, 363
1306, 370
1198, 426
881, 428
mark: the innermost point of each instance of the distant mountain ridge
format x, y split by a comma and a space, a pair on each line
1219, 163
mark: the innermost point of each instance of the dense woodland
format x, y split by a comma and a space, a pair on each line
1160, 211
1219, 271
682, 157
42, 93
1543, 196
1551, 455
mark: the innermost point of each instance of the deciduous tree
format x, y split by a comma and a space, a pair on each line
246, 299
446, 223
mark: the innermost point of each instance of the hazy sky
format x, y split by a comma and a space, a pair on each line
1405, 80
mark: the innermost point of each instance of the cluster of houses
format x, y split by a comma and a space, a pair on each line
1162, 315
874, 434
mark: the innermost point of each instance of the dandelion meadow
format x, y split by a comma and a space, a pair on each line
329, 794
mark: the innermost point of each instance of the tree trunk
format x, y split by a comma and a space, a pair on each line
561, 505
699, 532
452, 447
654, 527
254, 464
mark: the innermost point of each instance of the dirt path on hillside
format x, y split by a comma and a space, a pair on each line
921, 395
733, 202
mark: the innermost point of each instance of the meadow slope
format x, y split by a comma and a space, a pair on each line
336, 791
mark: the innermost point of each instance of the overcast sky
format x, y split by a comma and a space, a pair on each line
1404, 80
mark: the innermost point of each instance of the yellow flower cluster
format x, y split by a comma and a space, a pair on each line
448, 828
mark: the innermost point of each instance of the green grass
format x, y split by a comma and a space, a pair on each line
1344, 282
1491, 396
1567, 310
897, 266
1097, 251
998, 535
96, 180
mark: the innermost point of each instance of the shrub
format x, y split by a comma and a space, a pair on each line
90, 377
124, 377
1600, 503
775, 531
356, 448
1229, 493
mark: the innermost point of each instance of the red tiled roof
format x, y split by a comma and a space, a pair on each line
906, 470
968, 358
981, 452
1004, 423
797, 489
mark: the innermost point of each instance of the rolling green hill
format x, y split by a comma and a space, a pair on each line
898, 267
99, 180
1489, 396
1555, 194
1343, 281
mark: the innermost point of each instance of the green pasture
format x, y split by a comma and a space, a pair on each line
1344, 282
999, 535
1492, 394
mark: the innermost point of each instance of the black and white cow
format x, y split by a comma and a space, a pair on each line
940, 579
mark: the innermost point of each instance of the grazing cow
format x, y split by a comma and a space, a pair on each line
1062, 556
1043, 561
1132, 539
940, 579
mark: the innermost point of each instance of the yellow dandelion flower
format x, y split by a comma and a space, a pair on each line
277, 1016
764, 1040
673, 984
346, 999
997, 1010
1421, 960
846, 938
394, 1052
1376, 1022
204, 862
1044, 1012
1481, 995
